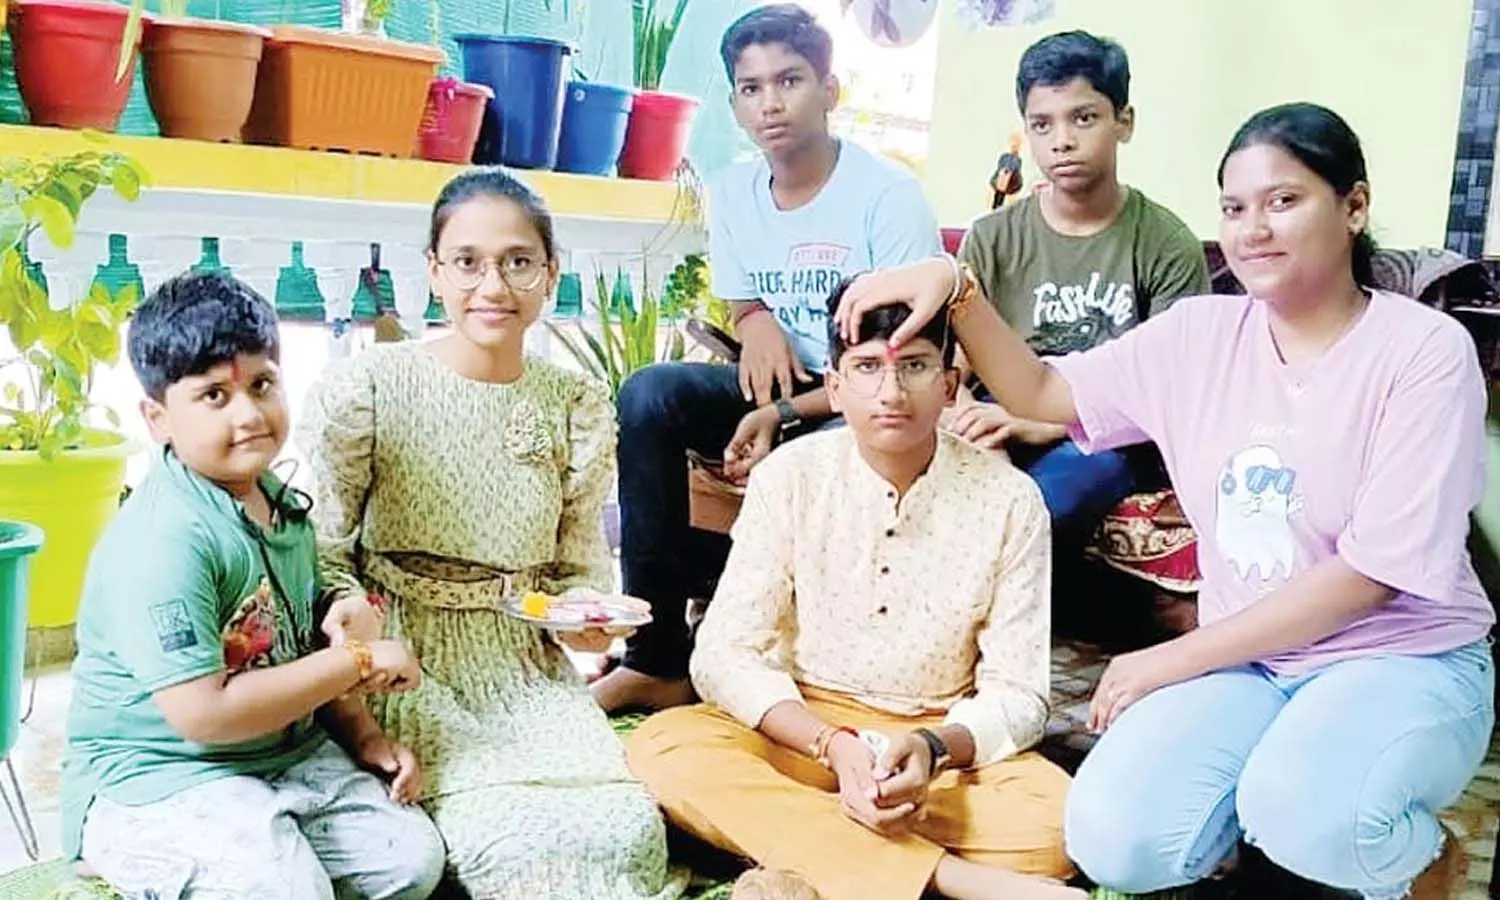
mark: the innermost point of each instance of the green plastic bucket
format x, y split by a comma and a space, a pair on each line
18, 541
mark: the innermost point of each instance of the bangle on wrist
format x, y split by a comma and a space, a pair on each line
364, 659
958, 278
739, 314
824, 740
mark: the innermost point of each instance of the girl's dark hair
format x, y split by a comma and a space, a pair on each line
491, 181
1321, 140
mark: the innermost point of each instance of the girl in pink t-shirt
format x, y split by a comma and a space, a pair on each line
1327, 441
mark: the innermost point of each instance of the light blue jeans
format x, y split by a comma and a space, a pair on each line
1336, 776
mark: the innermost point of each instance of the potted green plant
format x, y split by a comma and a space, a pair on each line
629, 332
660, 122
61, 467
200, 73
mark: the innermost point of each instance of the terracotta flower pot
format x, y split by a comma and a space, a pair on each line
200, 76
320, 90
66, 53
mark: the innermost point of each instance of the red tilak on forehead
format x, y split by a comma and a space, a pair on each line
234, 371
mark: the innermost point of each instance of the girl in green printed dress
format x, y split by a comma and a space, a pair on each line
450, 474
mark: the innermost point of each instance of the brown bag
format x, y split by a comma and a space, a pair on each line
713, 500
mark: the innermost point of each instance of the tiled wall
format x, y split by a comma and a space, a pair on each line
1479, 117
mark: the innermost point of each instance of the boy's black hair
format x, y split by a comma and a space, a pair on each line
882, 323
194, 322
1056, 60
778, 23
491, 181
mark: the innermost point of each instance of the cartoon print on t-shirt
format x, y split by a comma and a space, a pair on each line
1068, 317
1253, 528
251, 632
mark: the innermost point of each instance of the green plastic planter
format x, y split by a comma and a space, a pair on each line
18, 541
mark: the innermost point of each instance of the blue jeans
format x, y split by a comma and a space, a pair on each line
1078, 488
1336, 776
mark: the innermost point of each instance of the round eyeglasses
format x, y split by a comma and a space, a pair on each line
866, 377
522, 274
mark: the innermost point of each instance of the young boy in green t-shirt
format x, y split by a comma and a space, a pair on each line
1074, 265
213, 749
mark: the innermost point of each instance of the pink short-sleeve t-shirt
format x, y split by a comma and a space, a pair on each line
1373, 452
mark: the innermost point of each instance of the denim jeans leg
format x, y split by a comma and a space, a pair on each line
665, 410
1345, 787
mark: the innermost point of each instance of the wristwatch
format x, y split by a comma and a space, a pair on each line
787, 413
937, 747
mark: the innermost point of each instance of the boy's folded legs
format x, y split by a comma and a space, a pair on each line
323, 829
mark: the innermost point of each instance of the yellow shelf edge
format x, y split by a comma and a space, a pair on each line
198, 165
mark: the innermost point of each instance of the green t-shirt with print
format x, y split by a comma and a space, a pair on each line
176, 590
1065, 293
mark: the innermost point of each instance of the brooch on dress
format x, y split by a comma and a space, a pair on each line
527, 438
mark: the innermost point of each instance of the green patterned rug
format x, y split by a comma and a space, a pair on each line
54, 880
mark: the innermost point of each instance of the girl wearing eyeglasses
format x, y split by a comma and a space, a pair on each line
450, 475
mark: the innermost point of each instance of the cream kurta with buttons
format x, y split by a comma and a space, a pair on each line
936, 601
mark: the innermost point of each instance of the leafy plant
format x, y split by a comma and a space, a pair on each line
688, 289
653, 40
628, 332
58, 349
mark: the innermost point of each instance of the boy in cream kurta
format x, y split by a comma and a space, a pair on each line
873, 673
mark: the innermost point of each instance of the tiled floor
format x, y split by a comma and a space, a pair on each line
1075, 670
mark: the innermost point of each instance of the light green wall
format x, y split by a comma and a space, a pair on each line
1200, 68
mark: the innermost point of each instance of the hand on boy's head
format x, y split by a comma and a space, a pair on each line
924, 286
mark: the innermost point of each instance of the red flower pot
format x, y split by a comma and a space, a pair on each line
66, 52
452, 119
657, 135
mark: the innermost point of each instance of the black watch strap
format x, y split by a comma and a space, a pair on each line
937, 750
787, 413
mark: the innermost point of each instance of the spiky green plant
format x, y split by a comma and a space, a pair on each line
628, 332
653, 40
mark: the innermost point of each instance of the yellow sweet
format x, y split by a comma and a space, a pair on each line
536, 604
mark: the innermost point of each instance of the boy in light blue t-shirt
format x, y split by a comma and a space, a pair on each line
213, 749
783, 231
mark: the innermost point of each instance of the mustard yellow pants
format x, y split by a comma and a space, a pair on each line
738, 790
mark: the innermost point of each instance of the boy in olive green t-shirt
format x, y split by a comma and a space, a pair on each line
1075, 265
209, 740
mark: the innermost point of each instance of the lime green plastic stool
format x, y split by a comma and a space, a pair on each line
18, 541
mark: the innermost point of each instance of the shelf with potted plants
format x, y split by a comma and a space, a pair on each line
75, 60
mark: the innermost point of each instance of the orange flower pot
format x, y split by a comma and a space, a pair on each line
200, 76
320, 90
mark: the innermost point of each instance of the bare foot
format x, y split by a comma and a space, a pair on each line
960, 879
628, 689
